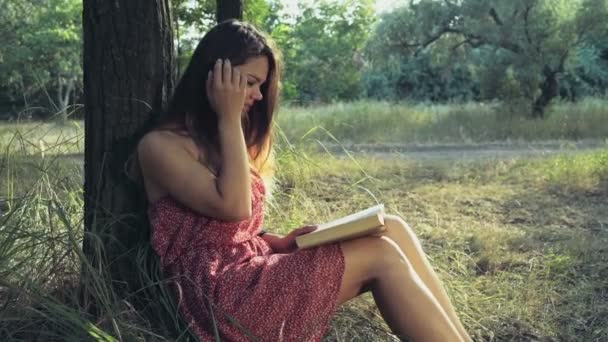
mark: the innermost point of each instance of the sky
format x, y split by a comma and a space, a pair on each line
381, 5
384, 5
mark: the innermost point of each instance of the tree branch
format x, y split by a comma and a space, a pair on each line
473, 42
427, 42
526, 26
450, 4
495, 17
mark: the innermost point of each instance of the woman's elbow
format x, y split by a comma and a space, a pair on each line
236, 214
244, 215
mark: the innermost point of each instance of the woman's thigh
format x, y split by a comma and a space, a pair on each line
364, 259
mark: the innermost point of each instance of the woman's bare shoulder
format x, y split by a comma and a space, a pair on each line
165, 139
162, 153
168, 141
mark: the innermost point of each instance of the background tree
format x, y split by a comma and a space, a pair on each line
192, 19
323, 49
40, 58
523, 46
229, 9
524, 52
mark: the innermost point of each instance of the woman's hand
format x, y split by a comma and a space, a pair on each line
226, 90
286, 244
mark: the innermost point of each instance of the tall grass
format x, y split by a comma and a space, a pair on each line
520, 244
49, 290
42, 138
383, 122
374, 122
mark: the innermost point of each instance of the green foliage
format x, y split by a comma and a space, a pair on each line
509, 50
197, 17
587, 73
192, 19
322, 50
431, 50
193, 15
421, 77
41, 58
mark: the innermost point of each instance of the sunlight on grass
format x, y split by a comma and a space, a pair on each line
42, 138
383, 122
520, 243
510, 249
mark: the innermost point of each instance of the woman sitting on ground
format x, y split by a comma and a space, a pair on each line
203, 167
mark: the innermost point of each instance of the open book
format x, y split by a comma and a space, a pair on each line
362, 223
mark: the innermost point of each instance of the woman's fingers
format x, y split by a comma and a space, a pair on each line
243, 81
217, 73
306, 230
225, 89
236, 77
209, 82
227, 73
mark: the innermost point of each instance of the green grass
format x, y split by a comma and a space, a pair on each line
42, 138
381, 122
372, 122
521, 244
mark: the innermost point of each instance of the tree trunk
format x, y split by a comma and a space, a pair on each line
64, 91
128, 71
549, 90
229, 9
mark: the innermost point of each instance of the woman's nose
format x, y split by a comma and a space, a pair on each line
257, 95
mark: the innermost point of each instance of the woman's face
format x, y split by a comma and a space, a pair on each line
255, 69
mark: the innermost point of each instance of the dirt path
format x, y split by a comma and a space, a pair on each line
452, 152
482, 151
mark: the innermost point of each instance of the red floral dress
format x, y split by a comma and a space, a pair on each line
228, 275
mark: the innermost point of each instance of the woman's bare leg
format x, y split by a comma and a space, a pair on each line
407, 305
400, 232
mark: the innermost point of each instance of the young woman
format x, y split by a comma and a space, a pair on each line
202, 169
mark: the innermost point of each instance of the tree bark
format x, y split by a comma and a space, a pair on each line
229, 9
128, 71
549, 90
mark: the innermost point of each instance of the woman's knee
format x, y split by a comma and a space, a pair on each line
396, 223
381, 253
398, 230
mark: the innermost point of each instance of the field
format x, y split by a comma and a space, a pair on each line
520, 240
521, 244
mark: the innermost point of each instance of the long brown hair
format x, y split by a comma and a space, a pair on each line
189, 109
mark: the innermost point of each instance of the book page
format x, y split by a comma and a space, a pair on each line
353, 217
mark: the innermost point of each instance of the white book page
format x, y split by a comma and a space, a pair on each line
351, 217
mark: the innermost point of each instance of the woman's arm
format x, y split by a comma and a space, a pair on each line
167, 163
226, 91
234, 180
286, 244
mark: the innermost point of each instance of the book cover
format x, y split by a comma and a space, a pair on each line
362, 223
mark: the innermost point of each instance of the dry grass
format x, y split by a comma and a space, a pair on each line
521, 250
520, 243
